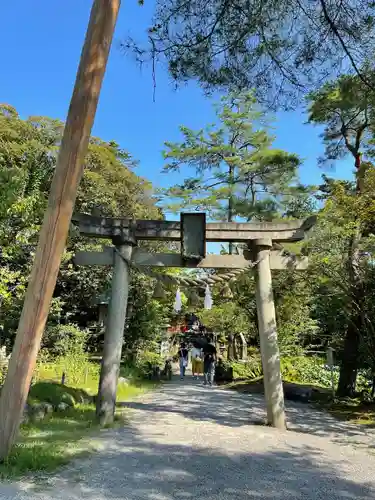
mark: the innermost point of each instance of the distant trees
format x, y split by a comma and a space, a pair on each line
346, 109
109, 187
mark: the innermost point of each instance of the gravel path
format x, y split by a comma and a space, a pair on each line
191, 442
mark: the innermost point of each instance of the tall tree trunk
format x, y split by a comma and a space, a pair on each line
349, 364
373, 385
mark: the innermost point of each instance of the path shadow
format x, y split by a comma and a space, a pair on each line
148, 461
136, 468
232, 409
195, 402
310, 420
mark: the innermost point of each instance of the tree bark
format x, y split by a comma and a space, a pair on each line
349, 364
373, 386
348, 371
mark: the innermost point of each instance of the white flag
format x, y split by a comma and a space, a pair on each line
208, 298
177, 303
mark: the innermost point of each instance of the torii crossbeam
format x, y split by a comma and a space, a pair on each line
193, 232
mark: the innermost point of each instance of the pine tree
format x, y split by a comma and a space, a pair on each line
238, 175
346, 109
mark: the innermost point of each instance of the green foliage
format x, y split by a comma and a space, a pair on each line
226, 318
44, 446
279, 48
53, 393
297, 329
64, 351
252, 368
147, 317
146, 360
48, 444
237, 172
306, 370
346, 109
336, 304
313, 370
28, 152
63, 340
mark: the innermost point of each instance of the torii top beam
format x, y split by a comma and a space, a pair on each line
112, 228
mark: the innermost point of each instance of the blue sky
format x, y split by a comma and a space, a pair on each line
42, 41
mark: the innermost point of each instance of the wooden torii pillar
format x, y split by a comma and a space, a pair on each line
192, 232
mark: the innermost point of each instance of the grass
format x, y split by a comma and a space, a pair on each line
354, 411
46, 445
351, 410
87, 378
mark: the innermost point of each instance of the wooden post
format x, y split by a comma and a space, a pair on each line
57, 218
113, 338
273, 386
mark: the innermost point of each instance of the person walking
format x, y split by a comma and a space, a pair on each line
196, 361
209, 351
183, 359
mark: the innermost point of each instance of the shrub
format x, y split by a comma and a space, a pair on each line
146, 360
252, 368
68, 356
307, 370
54, 394
64, 340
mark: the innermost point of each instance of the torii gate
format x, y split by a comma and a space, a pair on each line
193, 233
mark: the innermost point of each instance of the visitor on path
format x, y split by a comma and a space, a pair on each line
196, 361
209, 351
183, 357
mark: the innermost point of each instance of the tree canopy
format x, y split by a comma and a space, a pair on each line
346, 110
281, 48
110, 187
231, 170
